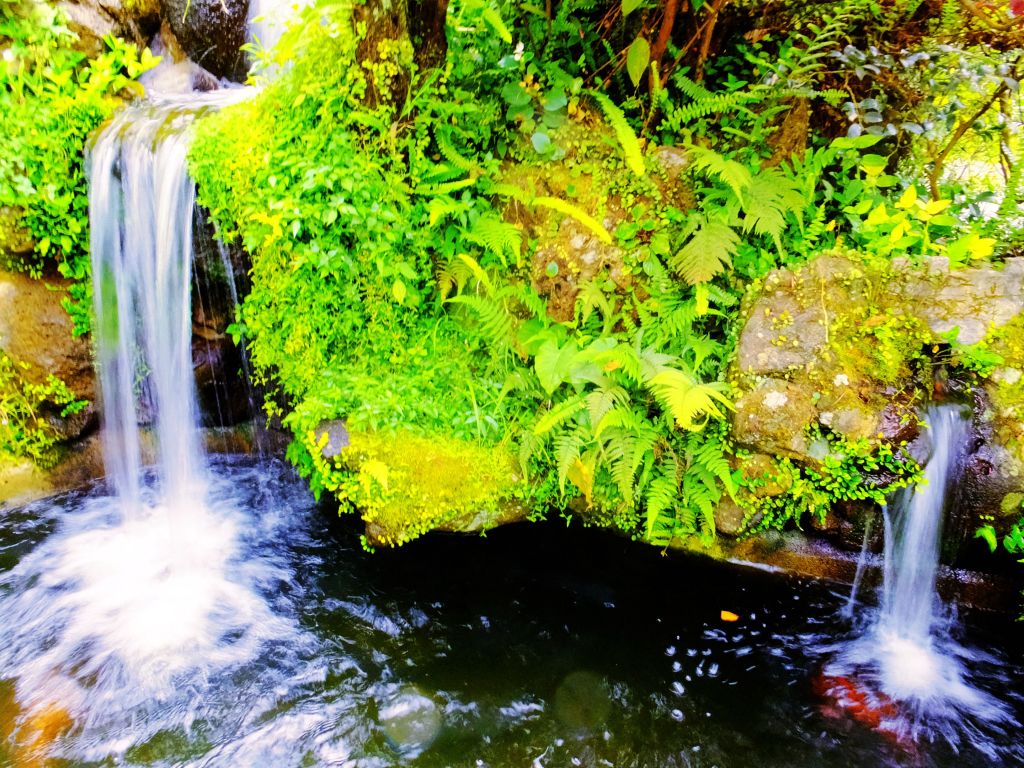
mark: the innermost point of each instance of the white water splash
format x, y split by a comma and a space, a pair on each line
907, 654
143, 596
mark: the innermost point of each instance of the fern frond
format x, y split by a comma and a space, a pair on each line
529, 444
662, 496
558, 414
453, 278
710, 250
438, 176
442, 207
769, 198
584, 218
568, 447
601, 401
433, 190
735, 175
495, 325
691, 88
497, 236
590, 297
623, 132
711, 455
691, 403
447, 149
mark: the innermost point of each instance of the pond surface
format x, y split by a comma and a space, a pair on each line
278, 642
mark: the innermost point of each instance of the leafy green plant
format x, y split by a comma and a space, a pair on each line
24, 429
51, 98
846, 472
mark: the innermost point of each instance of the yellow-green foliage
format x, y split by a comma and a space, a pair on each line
999, 358
787, 491
24, 429
405, 484
881, 343
51, 98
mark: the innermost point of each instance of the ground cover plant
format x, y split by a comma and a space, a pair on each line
412, 216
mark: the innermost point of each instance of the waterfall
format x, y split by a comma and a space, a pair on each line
909, 602
146, 592
905, 660
141, 200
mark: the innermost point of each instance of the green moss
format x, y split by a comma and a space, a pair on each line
999, 359
405, 485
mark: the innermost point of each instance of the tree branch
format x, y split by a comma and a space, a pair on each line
965, 125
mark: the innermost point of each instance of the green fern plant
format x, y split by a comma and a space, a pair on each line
623, 132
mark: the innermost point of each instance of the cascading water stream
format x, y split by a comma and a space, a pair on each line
147, 594
141, 202
910, 672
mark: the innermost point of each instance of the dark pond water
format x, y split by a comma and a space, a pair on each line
539, 645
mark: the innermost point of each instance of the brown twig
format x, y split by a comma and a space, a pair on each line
705, 45
961, 129
665, 31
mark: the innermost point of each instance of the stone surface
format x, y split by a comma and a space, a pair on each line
92, 20
337, 437
764, 473
211, 32
969, 299
773, 419
729, 517
827, 330
855, 351
36, 330
575, 256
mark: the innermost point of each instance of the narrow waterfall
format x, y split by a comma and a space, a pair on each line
905, 660
150, 590
141, 202
909, 603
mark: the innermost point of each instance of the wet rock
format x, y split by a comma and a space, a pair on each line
337, 437
36, 330
969, 299
92, 20
773, 419
729, 517
211, 32
846, 337
763, 476
899, 424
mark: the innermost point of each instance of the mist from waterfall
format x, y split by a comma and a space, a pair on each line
149, 591
906, 661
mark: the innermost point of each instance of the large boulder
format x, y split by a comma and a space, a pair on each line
36, 330
93, 20
841, 349
212, 33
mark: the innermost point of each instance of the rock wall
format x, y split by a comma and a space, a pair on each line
850, 351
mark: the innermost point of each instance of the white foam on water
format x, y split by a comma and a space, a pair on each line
144, 595
907, 652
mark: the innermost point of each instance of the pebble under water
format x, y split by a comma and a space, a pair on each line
258, 633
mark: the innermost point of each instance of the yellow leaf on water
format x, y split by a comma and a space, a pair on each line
729, 616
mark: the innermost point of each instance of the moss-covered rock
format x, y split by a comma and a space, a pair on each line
848, 350
404, 484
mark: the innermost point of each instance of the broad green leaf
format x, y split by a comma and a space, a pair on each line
637, 58
553, 364
628, 6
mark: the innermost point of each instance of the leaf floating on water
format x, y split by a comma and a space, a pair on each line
729, 616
